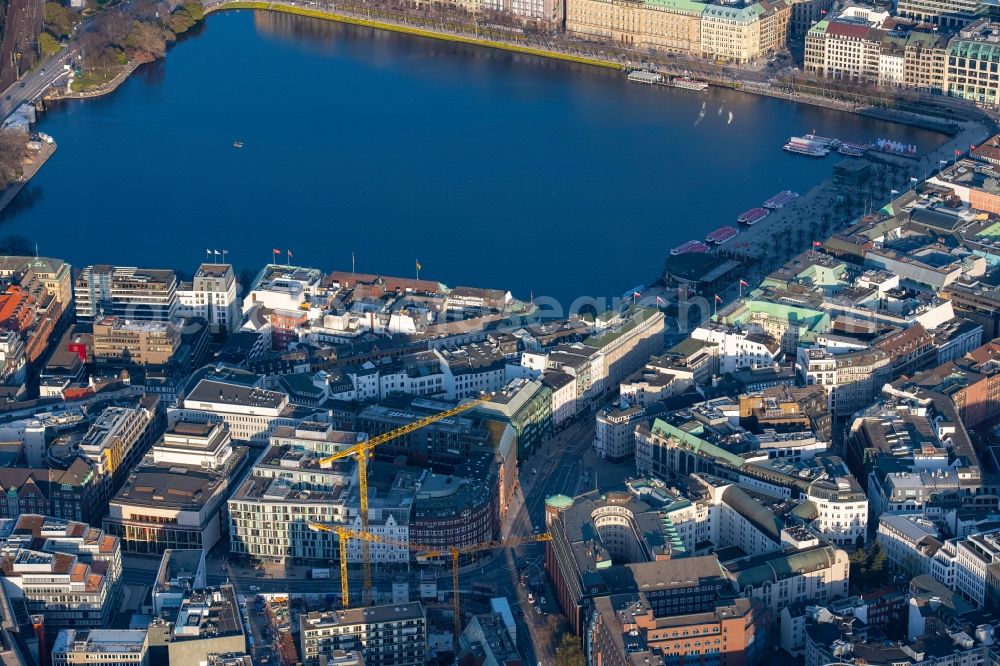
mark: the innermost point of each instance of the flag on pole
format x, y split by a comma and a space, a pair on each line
275, 251
718, 299
419, 265
971, 147
817, 244
289, 254
216, 253
744, 283
636, 294
958, 152
660, 301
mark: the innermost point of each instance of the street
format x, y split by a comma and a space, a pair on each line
565, 464
34, 83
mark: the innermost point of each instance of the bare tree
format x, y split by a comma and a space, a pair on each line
148, 38
12, 147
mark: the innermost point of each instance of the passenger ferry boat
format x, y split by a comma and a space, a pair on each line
722, 235
752, 216
781, 199
645, 76
688, 247
688, 84
805, 149
827, 142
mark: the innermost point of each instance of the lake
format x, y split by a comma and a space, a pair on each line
490, 168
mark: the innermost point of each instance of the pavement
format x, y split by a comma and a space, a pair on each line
33, 84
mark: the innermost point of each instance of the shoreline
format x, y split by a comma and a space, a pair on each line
887, 114
105, 88
13, 189
340, 17
767, 232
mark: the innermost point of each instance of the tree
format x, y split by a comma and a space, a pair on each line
195, 9
12, 147
115, 27
148, 38
48, 44
180, 21
58, 20
569, 652
16, 246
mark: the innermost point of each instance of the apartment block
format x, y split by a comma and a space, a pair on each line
211, 296
286, 490
123, 342
175, 498
626, 631
67, 571
125, 291
974, 63
392, 635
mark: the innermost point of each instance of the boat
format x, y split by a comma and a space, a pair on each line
752, 216
806, 141
852, 149
645, 76
237, 144
722, 235
781, 199
825, 141
803, 149
688, 84
689, 247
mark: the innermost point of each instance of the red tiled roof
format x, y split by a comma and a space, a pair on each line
854, 30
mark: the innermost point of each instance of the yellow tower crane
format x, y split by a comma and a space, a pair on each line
429, 551
361, 452
343, 535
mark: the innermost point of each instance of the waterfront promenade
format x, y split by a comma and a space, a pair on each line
827, 208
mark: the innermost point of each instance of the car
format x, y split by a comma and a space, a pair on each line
21, 84
254, 588
538, 610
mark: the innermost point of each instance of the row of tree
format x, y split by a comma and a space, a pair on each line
116, 37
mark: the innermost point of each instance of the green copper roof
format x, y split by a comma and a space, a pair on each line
559, 501
696, 444
963, 48
683, 6
747, 14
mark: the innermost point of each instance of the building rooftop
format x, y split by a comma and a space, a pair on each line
100, 641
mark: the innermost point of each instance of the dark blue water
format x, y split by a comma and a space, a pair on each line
490, 168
